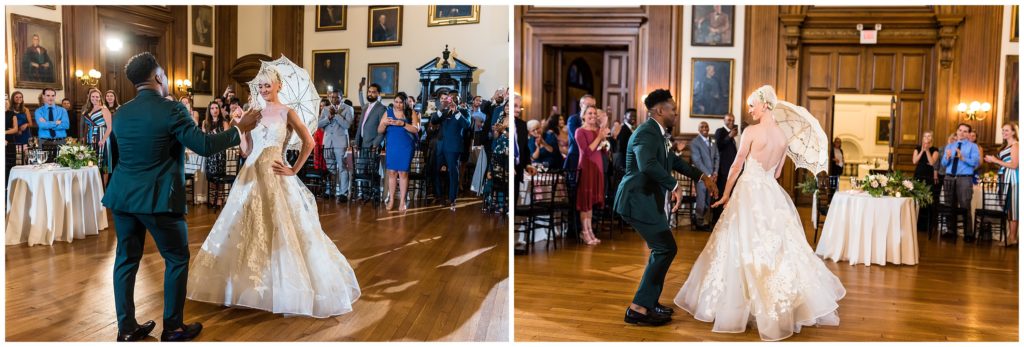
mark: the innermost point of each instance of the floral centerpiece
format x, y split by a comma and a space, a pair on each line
897, 185
990, 176
75, 156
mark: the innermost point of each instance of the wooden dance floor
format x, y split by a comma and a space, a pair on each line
430, 275
958, 292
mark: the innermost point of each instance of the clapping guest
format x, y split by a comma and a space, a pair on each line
335, 120
400, 127
925, 156
961, 158
99, 120
367, 135
497, 174
552, 154
704, 155
1009, 162
590, 188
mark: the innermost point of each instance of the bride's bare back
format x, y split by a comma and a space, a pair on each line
767, 144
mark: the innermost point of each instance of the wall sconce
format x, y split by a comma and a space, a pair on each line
974, 111
183, 86
90, 79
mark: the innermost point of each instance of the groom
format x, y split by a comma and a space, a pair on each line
641, 193
147, 191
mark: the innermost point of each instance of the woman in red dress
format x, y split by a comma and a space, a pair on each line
590, 189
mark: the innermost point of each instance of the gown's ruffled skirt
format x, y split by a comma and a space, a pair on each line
757, 264
267, 249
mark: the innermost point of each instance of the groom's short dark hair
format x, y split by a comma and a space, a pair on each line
656, 97
140, 67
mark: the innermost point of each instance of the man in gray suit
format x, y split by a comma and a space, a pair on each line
704, 155
367, 135
335, 119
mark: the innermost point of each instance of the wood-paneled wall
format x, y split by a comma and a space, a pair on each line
226, 50
651, 35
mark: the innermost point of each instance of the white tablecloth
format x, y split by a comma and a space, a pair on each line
199, 184
60, 204
867, 230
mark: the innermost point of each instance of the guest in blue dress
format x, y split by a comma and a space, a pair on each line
400, 129
1009, 173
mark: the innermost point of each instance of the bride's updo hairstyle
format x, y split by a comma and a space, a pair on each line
270, 76
765, 95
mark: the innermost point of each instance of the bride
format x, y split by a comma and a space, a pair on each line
757, 262
267, 249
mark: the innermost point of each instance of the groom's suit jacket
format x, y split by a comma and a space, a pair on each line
151, 135
649, 164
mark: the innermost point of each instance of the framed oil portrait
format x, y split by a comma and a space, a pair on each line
1011, 108
1014, 22
37, 53
330, 71
331, 18
882, 127
385, 26
202, 74
202, 26
711, 87
712, 25
386, 76
440, 15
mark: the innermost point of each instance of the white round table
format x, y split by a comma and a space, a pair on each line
863, 229
59, 204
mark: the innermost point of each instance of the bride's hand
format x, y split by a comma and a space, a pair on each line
721, 202
282, 170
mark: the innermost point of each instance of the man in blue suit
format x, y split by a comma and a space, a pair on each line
52, 119
453, 123
147, 191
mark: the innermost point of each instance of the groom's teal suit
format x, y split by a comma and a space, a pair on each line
147, 191
640, 201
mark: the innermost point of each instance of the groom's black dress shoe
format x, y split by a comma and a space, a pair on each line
140, 333
187, 333
651, 318
663, 310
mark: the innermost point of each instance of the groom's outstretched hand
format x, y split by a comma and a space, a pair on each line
677, 199
709, 183
248, 121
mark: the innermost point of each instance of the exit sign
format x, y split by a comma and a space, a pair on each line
868, 37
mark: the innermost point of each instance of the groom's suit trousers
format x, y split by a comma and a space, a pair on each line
170, 233
663, 249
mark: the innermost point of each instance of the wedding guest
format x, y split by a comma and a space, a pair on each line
497, 174
367, 135
185, 100
335, 120
925, 156
1009, 162
110, 100
573, 123
622, 134
961, 158
400, 128
836, 160
234, 109
53, 120
940, 169
725, 138
679, 147
590, 188
18, 114
229, 92
479, 117
704, 155
554, 156
215, 121
518, 138
453, 123
99, 120
973, 137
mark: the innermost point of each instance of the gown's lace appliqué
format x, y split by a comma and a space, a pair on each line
267, 249
758, 264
